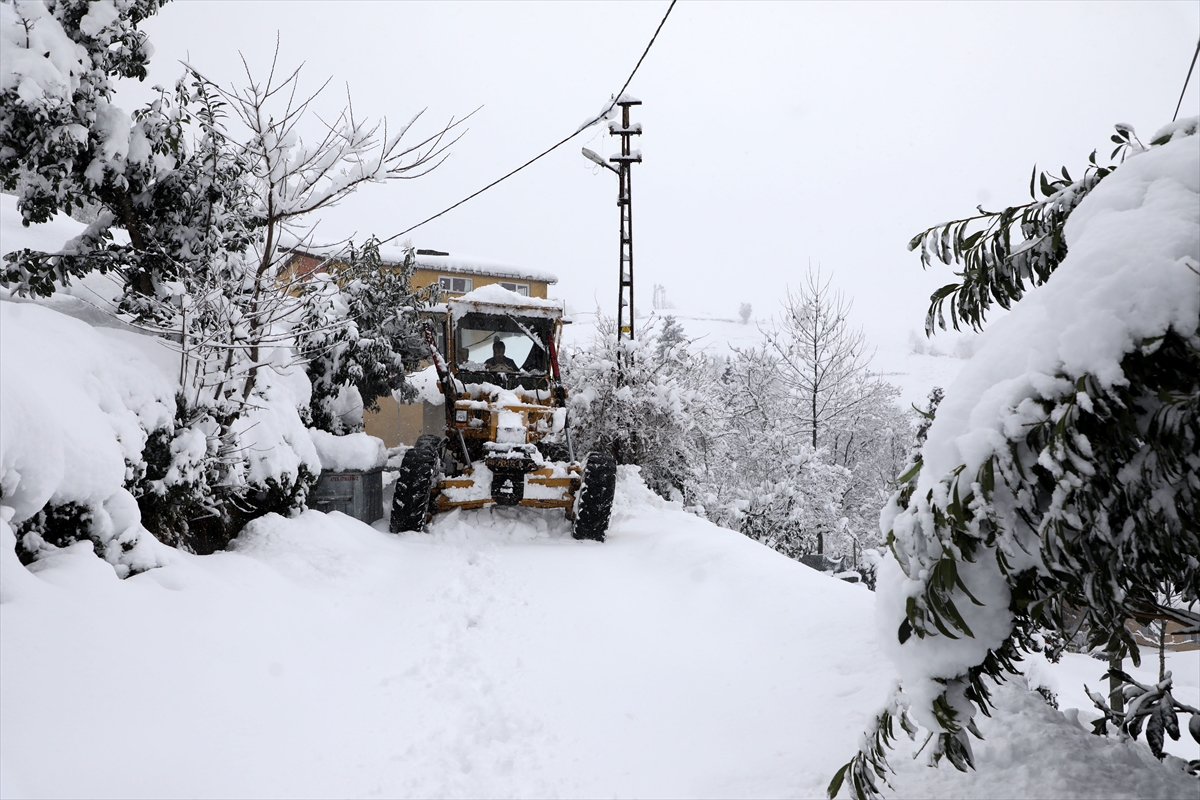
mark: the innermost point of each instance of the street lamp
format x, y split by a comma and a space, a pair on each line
625, 159
593, 156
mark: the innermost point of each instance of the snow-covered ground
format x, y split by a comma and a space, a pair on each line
493, 656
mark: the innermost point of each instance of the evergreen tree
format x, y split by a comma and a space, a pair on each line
1080, 492
64, 144
359, 330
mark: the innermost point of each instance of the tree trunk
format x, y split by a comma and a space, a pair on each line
1116, 700
141, 281
1162, 650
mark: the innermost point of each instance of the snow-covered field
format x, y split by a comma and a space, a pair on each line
494, 656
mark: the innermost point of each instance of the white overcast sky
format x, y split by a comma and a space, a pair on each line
776, 133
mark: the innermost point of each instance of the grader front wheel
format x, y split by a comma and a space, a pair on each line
410, 502
594, 506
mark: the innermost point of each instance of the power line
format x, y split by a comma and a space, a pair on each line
553, 147
1185, 82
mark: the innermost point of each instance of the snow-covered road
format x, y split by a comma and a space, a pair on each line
493, 656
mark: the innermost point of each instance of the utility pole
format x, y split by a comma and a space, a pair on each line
624, 161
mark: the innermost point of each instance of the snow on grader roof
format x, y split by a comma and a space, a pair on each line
495, 299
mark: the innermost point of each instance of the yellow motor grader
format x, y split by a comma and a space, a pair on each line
507, 440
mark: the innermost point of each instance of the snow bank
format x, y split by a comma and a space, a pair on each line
1131, 273
77, 406
352, 451
492, 656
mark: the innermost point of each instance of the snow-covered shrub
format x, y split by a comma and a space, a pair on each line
793, 508
359, 334
174, 488
1062, 469
77, 406
205, 217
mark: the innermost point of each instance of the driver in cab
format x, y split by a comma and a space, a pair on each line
500, 362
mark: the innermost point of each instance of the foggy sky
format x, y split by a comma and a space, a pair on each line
775, 134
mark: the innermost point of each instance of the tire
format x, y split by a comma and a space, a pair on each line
554, 451
410, 502
428, 441
594, 506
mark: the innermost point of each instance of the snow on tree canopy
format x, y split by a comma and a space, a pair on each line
36, 56
1132, 273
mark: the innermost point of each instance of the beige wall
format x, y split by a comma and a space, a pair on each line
428, 277
384, 423
401, 423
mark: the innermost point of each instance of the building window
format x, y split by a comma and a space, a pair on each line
455, 285
520, 288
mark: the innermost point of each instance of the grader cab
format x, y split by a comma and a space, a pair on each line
507, 439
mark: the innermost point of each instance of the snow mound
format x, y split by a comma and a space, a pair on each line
353, 451
1029, 749
77, 406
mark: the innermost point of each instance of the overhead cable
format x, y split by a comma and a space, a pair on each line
1185, 82
603, 115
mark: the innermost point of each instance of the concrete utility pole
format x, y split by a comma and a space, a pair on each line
624, 160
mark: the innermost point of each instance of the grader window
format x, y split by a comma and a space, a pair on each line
502, 343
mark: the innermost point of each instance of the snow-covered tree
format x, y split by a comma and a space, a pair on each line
807, 397
64, 143
822, 361
774, 487
359, 334
206, 217
1062, 469
644, 401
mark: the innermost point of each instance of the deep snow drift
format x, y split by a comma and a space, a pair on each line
493, 656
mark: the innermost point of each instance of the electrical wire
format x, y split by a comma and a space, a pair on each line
1185, 82
553, 147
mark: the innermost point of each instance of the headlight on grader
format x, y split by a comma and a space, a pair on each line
460, 416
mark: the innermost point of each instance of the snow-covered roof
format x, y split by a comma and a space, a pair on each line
481, 266
436, 260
